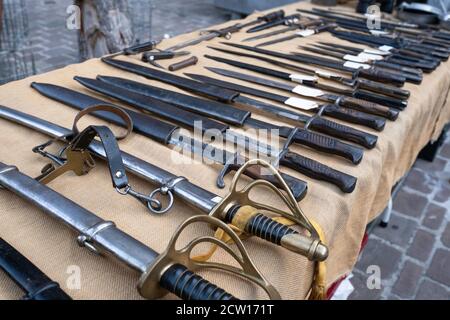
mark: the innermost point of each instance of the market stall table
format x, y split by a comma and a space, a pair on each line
343, 217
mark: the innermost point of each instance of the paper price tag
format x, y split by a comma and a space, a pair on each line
353, 58
307, 91
326, 74
301, 103
355, 65
306, 33
385, 48
300, 78
377, 52
370, 56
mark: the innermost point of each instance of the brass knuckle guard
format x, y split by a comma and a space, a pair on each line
148, 285
241, 198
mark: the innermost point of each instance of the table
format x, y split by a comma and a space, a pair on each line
343, 217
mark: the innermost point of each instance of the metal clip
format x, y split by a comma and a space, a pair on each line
85, 239
150, 201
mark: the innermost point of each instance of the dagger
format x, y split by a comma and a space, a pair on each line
357, 84
185, 190
299, 34
308, 88
225, 32
357, 70
285, 20
157, 130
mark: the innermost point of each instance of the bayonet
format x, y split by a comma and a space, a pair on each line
299, 34
138, 98
317, 124
356, 69
296, 26
152, 56
303, 89
411, 70
171, 185
285, 20
357, 84
337, 112
225, 32
166, 133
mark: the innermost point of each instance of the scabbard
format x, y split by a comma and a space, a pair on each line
164, 110
380, 99
221, 94
36, 284
142, 123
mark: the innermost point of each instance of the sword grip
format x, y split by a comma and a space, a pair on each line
329, 145
356, 117
382, 76
369, 107
340, 131
189, 286
316, 170
388, 90
396, 103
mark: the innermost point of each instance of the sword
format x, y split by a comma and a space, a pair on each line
36, 284
171, 271
297, 162
225, 32
308, 88
356, 69
358, 85
166, 133
171, 185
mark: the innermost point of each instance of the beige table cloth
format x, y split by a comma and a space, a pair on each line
343, 217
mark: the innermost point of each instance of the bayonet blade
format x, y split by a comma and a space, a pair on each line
272, 33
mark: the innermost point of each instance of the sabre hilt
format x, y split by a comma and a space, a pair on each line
175, 269
238, 209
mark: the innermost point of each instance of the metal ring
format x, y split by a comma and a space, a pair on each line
125, 190
162, 210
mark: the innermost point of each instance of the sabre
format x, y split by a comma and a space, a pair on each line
305, 88
302, 164
207, 202
225, 32
166, 133
356, 69
172, 271
358, 85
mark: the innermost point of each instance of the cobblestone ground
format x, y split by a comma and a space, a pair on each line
413, 251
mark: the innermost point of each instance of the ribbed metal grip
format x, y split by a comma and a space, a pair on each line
189, 286
267, 229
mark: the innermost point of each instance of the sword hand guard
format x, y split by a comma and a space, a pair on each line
174, 269
244, 213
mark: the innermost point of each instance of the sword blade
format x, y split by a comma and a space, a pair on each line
272, 33
283, 39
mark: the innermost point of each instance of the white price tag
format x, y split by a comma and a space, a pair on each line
377, 52
353, 58
326, 74
307, 91
306, 33
301, 103
385, 48
378, 32
369, 56
300, 78
355, 65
